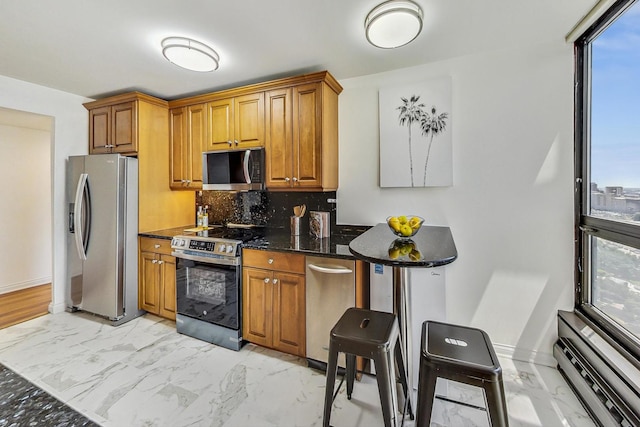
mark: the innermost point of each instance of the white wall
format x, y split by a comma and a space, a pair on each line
25, 214
510, 208
70, 136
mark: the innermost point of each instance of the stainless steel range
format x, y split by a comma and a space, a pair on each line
208, 288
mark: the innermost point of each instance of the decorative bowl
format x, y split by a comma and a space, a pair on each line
405, 226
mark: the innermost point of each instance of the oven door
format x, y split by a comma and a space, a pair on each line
209, 292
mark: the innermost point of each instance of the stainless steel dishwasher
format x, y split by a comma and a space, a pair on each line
330, 284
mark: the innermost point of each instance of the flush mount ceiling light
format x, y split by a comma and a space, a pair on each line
190, 54
393, 23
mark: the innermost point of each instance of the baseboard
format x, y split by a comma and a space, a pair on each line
12, 287
57, 308
24, 304
530, 356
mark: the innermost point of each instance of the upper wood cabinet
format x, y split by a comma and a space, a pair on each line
301, 138
113, 128
294, 118
138, 124
236, 122
188, 131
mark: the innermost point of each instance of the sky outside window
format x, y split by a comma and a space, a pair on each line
615, 106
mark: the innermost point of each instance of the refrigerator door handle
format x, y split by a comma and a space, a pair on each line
80, 223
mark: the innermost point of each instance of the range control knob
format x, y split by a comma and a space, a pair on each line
229, 249
222, 248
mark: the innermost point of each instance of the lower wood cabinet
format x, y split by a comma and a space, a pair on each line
273, 300
157, 282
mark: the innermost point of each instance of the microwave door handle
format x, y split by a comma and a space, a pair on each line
245, 167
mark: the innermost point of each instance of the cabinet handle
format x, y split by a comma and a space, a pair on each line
155, 261
230, 143
286, 179
156, 246
160, 262
266, 280
270, 260
295, 179
275, 281
236, 141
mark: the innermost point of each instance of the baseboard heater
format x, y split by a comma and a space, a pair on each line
603, 379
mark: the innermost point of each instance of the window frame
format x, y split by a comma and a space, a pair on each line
587, 226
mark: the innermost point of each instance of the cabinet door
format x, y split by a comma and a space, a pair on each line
278, 139
100, 130
257, 290
307, 135
248, 113
124, 136
220, 135
178, 173
167, 281
289, 313
148, 290
197, 131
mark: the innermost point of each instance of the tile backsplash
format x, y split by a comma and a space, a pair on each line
271, 209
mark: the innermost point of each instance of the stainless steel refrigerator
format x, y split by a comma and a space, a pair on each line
102, 239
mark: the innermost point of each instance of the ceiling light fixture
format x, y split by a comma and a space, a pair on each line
190, 54
393, 23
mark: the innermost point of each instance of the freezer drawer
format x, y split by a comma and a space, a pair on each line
330, 290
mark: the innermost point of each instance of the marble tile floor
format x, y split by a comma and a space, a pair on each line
143, 373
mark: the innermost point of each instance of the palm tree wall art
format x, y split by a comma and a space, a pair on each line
415, 131
432, 125
410, 112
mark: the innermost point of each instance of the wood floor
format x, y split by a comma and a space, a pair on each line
25, 304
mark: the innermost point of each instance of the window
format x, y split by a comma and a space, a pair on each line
608, 173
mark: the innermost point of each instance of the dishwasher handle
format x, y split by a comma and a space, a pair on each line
330, 269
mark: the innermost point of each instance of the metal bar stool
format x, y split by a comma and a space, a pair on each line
461, 354
374, 335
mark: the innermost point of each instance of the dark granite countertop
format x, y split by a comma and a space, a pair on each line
280, 239
432, 246
167, 233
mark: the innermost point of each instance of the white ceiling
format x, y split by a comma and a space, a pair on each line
98, 48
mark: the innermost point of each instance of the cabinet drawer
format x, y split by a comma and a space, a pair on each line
159, 246
280, 261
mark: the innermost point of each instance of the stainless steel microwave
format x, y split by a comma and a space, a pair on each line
237, 170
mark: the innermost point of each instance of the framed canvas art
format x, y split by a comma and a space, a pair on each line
415, 134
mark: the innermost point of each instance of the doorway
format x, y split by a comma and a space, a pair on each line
26, 215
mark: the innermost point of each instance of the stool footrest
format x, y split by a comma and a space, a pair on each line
457, 402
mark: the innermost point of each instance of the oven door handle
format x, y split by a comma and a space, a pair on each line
207, 260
